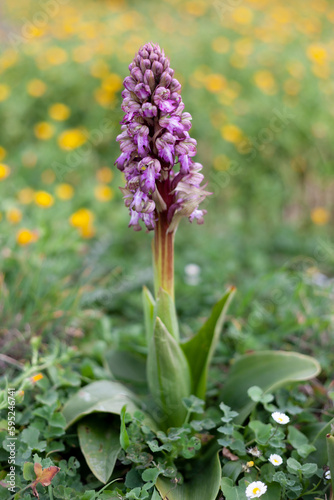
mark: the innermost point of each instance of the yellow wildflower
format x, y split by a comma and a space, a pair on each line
3, 153
242, 15
231, 133
265, 81
14, 215
104, 175
36, 88
320, 216
25, 196
196, 7
64, 191
87, 232
99, 69
71, 139
103, 192
4, 91
56, 56
317, 54
103, 97
36, 377
43, 199
215, 83
4, 171
59, 111
25, 237
43, 131
112, 82
82, 218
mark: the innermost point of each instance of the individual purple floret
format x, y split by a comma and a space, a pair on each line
154, 140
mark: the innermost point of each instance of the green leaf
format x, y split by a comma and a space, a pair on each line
124, 437
232, 492
150, 475
102, 396
330, 452
262, 431
57, 420
293, 465
232, 470
99, 443
149, 308
204, 484
28, 471
299, 441
267, 370
88, 495
168, 376
200, 348
309, 469
193, 404
127, 366
165, 310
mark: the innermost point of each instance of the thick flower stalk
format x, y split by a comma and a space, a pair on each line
163, 183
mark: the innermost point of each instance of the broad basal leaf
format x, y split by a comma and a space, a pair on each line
267, 370
103, 396
168, 376
99, 443
200, 348
204, 485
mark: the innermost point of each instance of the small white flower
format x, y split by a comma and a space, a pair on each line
328, 475
192, 272
256, 489
276, 460
280, 418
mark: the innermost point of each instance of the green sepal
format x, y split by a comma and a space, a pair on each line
199, 349
168, 376
204, 485
268, 370
165, 310
149, 312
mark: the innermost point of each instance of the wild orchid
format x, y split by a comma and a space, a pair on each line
164, 184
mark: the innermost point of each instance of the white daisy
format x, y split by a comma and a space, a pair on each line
276, 460
280, 418
256, 489
328, 475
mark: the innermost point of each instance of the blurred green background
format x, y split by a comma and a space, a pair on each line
257, 77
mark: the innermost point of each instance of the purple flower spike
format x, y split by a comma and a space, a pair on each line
156, 148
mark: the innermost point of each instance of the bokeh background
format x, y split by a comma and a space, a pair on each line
257, 78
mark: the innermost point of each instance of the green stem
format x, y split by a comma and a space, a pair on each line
163, 256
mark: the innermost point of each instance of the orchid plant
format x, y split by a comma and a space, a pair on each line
163, 184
